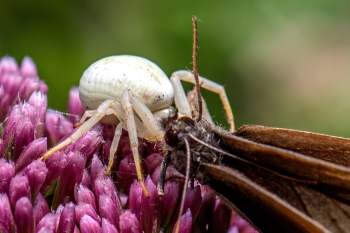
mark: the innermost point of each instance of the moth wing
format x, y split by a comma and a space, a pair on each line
274, 204
329, 148
288, 162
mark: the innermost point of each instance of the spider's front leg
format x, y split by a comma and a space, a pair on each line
96, 115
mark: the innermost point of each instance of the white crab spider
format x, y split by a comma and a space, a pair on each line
116, 87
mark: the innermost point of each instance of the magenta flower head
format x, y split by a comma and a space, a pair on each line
24, 124
70, 191
18, 83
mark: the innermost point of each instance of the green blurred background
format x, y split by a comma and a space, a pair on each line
283, 63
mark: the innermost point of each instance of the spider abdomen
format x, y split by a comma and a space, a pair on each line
107, 78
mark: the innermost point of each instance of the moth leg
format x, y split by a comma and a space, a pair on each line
163, 168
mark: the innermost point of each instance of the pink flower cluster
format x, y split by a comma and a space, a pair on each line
69, 192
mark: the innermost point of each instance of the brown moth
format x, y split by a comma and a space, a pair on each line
280, 180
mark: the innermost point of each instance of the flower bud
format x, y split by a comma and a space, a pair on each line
24, 217
97, 168
151, 162
36, 173
67, 219
208, 203
145, 208
32, 152
8, 65
29, 86
75, 107
86, 179
84, 195
126, 174
7, 223
72, 174
57, 127
39, 101
193, 200
105, 186
19, 131
7, 172
40, 208
128, 223
49, 222
19, 187
167, 203
82, 208
89, 225
107, 227
220, 219
55, 165
88, 143
28, 68
108, 210
186, 222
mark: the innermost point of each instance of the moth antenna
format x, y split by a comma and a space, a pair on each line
195, 68
187, 175
214, 148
